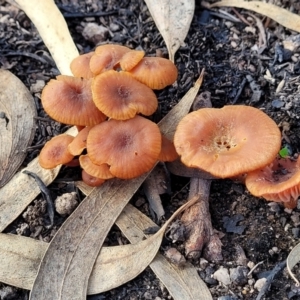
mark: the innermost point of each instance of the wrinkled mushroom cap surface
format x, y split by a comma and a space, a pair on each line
227, 142
55, 152
121, 97
106, 57
279, 181
129, 147
80, 65
68, 100
155, 72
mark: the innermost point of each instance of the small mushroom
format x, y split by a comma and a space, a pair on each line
168, 151
80, 65
129, 147
79, 143
69, 100
279, 181
99, 171
55, 152
106, 57
226, 142
155, 72
130, 59
91, 180
121, 97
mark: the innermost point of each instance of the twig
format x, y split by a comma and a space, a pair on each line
46, 195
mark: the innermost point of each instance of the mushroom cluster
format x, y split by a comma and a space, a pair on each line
239, 140
111, 88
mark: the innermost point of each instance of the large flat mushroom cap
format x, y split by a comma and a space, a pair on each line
278, 181
229, 141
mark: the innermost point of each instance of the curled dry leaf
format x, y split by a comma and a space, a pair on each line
278, 14
172, 21
19, 192
17, 124
54, 31
292, 259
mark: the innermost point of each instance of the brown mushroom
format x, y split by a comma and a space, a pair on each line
55, 152
69, 100
279, 181
129, 147
168, 151
130, 59
121, 97
80, 66
155, 72
99, 171
79, 143
91, 180
226, 142
106, 57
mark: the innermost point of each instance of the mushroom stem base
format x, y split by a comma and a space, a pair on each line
201, 237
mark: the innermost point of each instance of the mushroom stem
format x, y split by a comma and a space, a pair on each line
202, 238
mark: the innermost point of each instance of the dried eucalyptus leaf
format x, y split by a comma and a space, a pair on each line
17, 124
20, 191
54, 31
292, 260
172, 20
278, 14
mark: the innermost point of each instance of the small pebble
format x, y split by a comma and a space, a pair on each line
94, 33
66, 203
295, 232
277, 103
260, 283
222, 275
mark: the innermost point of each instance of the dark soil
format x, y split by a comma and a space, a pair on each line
236, 67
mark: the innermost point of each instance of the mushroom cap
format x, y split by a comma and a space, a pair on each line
80, 66
130, 59
91, 180
55, 152
168, 151
79, 142
279, 181
121, 97
99, 171
106, 57
226, 142
68, 100
129, 147
155, 72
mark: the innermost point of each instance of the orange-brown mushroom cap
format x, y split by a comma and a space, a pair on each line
129, 147
130, 59
106, 57
99, 171
229, 141
68, 100
79, 143
279, 181
168, 151
155, 72
80, 65
91, 180
121, 97
55, 152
